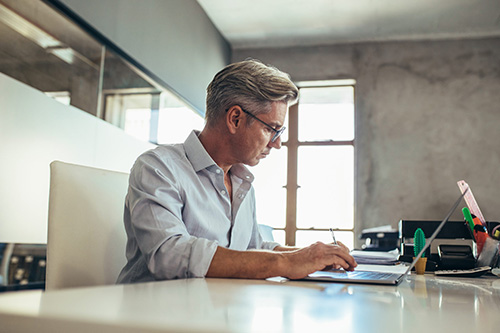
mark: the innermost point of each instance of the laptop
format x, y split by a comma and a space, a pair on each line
369, 277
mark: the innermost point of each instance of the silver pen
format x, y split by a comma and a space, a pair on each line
333, 236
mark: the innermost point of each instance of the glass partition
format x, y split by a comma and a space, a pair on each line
45, 49
41, 48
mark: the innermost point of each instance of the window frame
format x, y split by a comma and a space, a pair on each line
293, 145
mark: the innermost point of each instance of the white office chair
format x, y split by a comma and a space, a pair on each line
86, 236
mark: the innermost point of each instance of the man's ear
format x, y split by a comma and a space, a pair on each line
234, 118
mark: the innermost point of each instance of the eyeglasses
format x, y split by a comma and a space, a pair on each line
277, 132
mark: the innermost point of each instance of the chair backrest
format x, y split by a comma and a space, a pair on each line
86, 237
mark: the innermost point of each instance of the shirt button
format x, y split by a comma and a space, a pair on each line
217, 171
223, 192
241, 196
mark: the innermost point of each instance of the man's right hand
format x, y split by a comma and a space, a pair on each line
318, 256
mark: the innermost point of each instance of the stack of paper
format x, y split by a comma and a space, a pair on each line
376, 257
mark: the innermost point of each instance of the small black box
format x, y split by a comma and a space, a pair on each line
455, 257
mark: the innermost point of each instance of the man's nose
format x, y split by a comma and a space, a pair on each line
276, 144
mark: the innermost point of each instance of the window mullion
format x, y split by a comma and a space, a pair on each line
291, 193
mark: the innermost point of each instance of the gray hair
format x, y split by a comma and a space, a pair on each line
249, 84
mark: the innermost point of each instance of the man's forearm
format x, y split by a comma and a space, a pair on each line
246, 264
286, 262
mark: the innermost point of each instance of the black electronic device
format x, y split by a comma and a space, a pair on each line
453, 232
380, 240
455, 257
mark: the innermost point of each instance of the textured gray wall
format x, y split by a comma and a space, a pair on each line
173, 39
427, 115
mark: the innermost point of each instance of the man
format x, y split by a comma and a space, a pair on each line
190, 208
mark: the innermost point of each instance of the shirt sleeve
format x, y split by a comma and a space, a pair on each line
155, 207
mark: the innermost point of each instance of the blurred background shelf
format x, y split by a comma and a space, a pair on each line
23, 266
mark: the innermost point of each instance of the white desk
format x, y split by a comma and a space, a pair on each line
418, 304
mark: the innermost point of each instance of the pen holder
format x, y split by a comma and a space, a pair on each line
489, 253
420, 265
481, 238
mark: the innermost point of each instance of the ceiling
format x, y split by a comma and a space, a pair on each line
282, 23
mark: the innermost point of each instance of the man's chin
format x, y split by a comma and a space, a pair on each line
256, 160
253, 162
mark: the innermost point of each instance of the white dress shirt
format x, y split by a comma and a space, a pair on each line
178, 210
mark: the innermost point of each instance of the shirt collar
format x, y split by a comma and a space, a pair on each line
196, 153
240, 171
200, 159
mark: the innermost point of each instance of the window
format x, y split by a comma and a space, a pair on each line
307, 187
156, 117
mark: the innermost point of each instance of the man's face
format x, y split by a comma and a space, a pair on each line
255, 141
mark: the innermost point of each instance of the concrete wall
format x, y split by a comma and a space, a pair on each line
427, 115
174, 39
